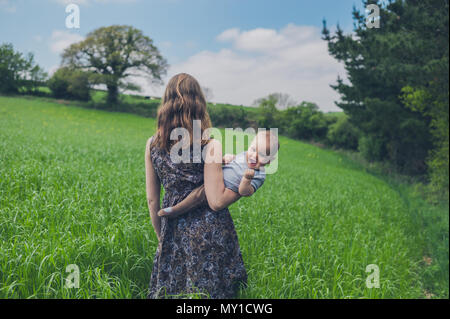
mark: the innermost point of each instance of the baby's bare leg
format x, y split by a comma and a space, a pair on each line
196, 198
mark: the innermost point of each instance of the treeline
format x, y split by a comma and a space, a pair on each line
304, 121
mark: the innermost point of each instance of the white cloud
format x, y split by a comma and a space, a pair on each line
228, 35
61, 39
269, 40
293, 60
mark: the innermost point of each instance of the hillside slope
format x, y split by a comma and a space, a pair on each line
72, 191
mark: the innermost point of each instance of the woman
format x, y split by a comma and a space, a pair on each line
198, 252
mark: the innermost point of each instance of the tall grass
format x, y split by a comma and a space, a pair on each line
72, 191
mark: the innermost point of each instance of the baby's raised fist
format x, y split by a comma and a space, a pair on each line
249, 173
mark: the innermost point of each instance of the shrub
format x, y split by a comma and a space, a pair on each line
372, 148
231, 116
432, 101
70, 84
342, 134
304, 121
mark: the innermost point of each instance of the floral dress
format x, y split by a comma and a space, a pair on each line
199, 251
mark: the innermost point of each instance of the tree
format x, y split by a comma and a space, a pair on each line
268, 114
114, 54
36, 77
412, 37
283, 100
17, 71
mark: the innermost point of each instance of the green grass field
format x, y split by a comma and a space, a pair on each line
72, 191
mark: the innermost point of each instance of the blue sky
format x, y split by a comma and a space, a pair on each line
262, 45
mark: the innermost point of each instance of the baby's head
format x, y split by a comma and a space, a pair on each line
262, 150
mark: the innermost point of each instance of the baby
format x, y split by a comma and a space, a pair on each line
243, 174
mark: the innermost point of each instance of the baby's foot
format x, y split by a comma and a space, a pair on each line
165, 211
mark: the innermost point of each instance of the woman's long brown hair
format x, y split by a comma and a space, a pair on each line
182, 103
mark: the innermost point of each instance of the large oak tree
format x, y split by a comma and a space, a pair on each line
114, 54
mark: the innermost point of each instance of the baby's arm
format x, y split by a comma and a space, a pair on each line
196, 198
245, 187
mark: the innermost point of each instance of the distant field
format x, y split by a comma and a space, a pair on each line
72, 191
100, 96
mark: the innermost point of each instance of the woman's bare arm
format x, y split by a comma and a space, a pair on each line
153, 189
217, 195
